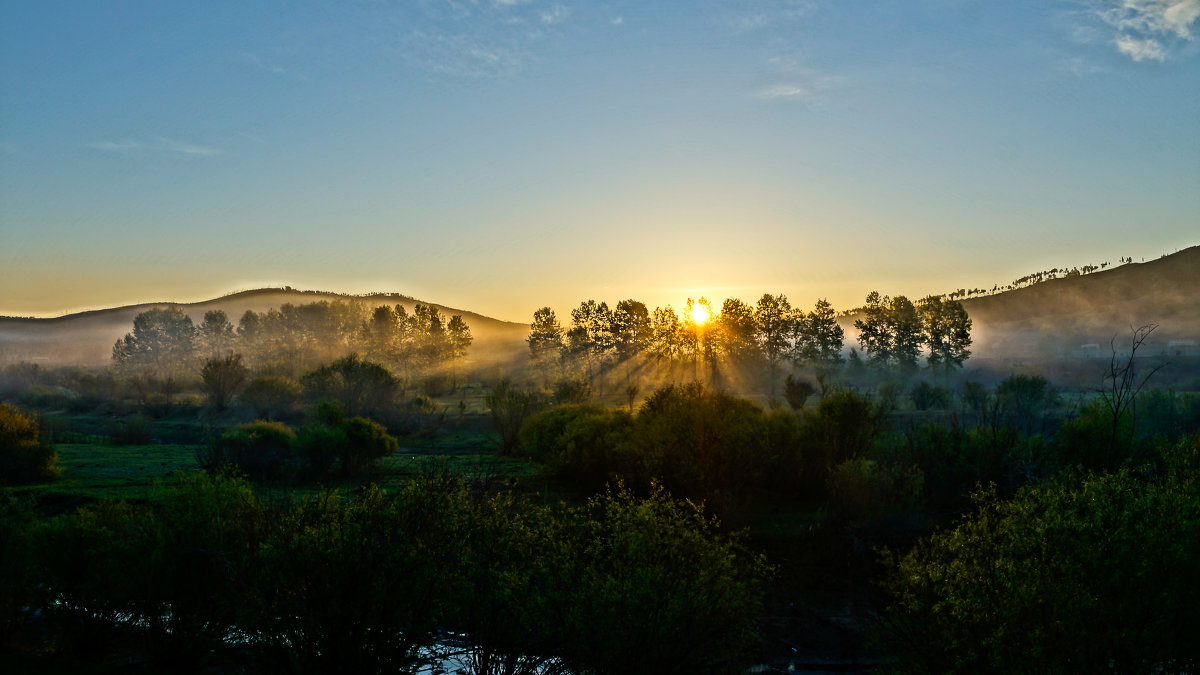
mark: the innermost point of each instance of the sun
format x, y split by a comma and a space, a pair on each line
700, 314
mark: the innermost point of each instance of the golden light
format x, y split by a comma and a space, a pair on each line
700, 314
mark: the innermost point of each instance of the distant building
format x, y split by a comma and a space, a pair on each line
1183, 348
1090, 350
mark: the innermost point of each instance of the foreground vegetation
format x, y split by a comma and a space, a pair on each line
227, 515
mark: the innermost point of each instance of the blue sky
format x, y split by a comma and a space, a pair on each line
502, 155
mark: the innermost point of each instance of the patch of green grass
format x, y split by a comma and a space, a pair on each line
115, 472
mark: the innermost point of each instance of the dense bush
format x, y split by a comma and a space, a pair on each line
510, 407
1086, 573
362, 387
262, 450
271, 396
205, 577
699, 443
925, 396
24, 456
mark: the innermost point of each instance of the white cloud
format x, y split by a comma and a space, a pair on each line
1141, 49
798, 83
617, 20
159, 144
760, 15
786, 91
556, 14
1146, 29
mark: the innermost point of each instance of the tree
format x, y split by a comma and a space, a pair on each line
736, 332
774, 321
1121, 385
819, 339
163, 340
890, 332
215, 334
665, 334
432, 343
381, 333
458, 337
947, 332
591, 337
631, 328
545, 341
223, 377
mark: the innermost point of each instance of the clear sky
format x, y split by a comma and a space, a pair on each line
502, 155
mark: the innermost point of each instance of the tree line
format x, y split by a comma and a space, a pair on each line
761, 338
294, 338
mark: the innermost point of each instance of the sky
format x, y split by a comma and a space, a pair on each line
503, 155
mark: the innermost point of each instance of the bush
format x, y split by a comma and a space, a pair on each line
797, 392
222, 378
262, 450
510, 407
1022, 401
24, 457
861, 489
1084, 574
541, 435
271, 396
362, 387
655, 589
575, 390
926, 396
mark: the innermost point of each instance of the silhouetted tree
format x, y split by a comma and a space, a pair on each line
665, 334
215, 334
774, 322
163, 340
590, 338
631, 328
545, 342
890, 333
947, 331
736, 332
819, 339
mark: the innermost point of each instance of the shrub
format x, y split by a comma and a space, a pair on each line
24, 456
926, 396
656, 589
271, 396
222, 378
262, 450
861, 489
797, 392
575, 390
1083, 574
541, 434
362, 387
510, 407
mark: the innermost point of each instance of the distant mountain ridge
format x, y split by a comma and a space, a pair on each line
86, 338
1057, 317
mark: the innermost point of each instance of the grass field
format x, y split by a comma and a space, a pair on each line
93, 471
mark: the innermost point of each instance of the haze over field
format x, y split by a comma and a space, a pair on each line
502, 155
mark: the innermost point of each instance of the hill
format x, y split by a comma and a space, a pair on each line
86, 338
1060, 317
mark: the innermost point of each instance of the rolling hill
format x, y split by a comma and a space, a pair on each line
86, 338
